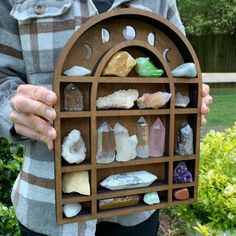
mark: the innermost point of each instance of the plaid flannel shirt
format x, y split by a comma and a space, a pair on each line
31, 38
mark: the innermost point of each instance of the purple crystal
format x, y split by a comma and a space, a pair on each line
182, 174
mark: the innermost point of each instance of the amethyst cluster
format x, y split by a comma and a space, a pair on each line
182, 174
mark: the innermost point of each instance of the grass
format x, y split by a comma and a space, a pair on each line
223, 110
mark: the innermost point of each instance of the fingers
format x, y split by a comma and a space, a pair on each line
208, 100
203, 120
205, 90
37, 93
29, 106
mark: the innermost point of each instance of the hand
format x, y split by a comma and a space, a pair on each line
206, 101
32, 111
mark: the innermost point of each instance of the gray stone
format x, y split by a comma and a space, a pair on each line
77, 71
72, 209
181, 101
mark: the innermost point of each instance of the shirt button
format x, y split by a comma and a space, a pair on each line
39, 9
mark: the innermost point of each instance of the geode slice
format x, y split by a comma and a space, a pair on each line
154, 100
184, 144
120, 64
73, 147
182, 174
120, 99
128, 180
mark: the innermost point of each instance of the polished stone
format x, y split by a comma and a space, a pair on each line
142, 148
128, 180
184, 144
123, 99
182, 174
73, 147
120, 64
157, 139
76, 182
77, 71
155, 100
187, 70
106, 144
181, 194
151, 198
72, 209
73, 98
125, 144
181, 100
145, 68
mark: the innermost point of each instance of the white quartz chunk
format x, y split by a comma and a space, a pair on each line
73, 147
77, 71
128, 180
185, 70
120, 99
125, 145
76, 182
151, 198
181, 101
72, 209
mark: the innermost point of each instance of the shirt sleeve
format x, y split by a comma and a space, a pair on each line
12, 69
174, 17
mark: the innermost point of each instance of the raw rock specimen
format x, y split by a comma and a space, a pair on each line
120, 64
72, 209
125, 144
151, 198
181, 101
157, 139
76, 182
154, 100
185, 70
142, 148
73, 98
106, 144
118, 202
182, 174
73, 147
184, 144
181, 194
77, 71
120, 99
145, 68
128, 180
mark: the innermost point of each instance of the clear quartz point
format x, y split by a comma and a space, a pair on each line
157, 139
105, 144
73, 98
142, 148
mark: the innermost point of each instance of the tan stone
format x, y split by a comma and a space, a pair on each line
120, 64
76, 182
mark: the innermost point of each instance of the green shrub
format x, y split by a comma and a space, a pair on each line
10, 164
216, 206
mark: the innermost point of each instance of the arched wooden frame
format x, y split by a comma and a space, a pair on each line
88, 39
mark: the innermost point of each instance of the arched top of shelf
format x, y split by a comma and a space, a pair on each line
85, 48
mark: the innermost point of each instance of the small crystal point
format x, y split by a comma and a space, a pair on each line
185, 70
182, 174
73, 98
184, 144
181, 101
106, 144
125, 145
157, 139
142, 148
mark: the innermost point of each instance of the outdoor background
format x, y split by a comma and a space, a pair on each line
211, 28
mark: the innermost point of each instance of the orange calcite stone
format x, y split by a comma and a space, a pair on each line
181, 194
118, 202
120, 64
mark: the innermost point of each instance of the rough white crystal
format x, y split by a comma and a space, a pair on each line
129, 180
151, 198
185, 70
76, 182
181, 101
120, 99
77, 71
73, 147
125, 145
72, 209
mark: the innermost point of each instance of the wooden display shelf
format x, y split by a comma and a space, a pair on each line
85, 48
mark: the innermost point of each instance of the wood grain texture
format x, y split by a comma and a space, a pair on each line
86, 48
